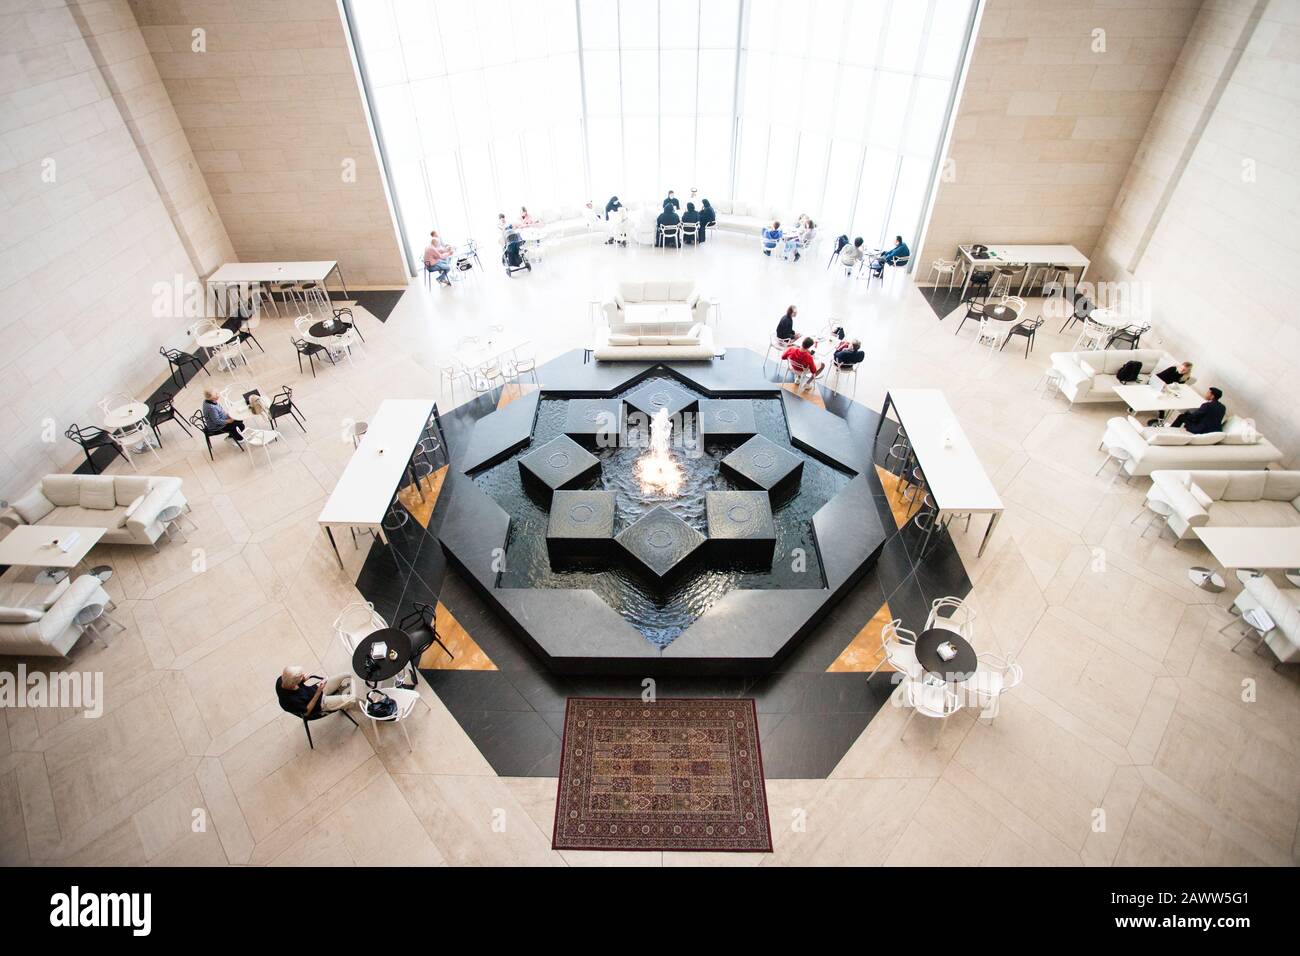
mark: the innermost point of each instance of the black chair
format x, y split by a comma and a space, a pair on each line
1132, 335
178, 360
420, 626
311, 350
91, 439
840, 242
974, 310
197, 421
877, 271
315, 713
349, 322
245, 334
1027, 329
282, 404
1082, 309
979, 285
161, 410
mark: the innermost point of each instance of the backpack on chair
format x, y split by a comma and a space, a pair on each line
1128, 372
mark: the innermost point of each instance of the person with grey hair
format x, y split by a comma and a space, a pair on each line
301, 693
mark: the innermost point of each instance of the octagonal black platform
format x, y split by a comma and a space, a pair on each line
761, 463
581, 524
660, 543
560, 463
723, 419
652, 396
741, 526
595, 422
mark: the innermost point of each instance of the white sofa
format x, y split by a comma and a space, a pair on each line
1280, 604
126, 506
747, 219
1260, 499
38, 620
633, 327
568, 222
1090, 376
1154, 449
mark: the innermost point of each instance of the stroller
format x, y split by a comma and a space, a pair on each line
513, 256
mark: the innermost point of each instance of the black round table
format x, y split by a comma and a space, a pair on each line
399, 655
1001, 313
320, 330
927, 655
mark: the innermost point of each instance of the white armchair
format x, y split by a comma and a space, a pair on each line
1283, 607
1269, 499
1090, 376
32, 630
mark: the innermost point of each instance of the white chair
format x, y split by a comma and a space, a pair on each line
690, 230
991, 333
994, 676
775, 349
136, 436
262, 438
201, 326
946, 267
406, 701
1093, 338
898, 644
449, 373
952, 614
1014, 303
670, 232
524, 362
836, 372
930, 699
355, 623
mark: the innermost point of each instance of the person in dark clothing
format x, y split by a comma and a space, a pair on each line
1207, 418
673, 201
1181, 374
218, 421
612, 205
708, 218
848, 353
693, 216
900, 251
785, 326
668, 217
300, 693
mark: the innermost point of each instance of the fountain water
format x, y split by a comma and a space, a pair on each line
657, 470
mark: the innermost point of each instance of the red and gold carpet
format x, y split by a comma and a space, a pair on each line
666, 775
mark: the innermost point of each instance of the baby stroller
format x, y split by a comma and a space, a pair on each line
513, 256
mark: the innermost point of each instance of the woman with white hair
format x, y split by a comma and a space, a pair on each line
301, 693
217, 420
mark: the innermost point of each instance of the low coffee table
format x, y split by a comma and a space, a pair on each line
389, 666
32, 546
954, 671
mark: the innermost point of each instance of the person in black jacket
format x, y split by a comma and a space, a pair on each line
668, 217
708, 218
693, 216
1208, 418
612, 205
673, 201
1181, 373
785, 326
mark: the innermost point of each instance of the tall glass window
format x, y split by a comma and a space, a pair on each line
830, 107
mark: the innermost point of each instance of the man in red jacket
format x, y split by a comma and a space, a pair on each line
803, 362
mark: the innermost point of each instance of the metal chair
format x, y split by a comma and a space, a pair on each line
198, 422
936, 700
162, 411
315, 713
952, 614
421, 626
177, 361
1027, 329
897, 643
1132, 335
282, 404
311, 350
91, 439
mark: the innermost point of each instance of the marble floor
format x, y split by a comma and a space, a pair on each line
1138, 735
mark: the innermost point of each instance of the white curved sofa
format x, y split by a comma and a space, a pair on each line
568, 222
747, 219
1154, 449
635, 328
1227, 499
1090, 376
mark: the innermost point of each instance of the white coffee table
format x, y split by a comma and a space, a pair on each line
1144, 398
32, 546
657, 313
1263, 548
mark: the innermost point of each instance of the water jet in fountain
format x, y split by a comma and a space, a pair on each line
657, 470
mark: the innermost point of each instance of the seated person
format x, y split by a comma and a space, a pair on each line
785, 325
438, 257
673, 201
502, 226
525, 219
802, 362
771, 237
217, 420
851, 257
708, 215
612, 205
591, 216
691, 215
848, 353
668, 217
301, 694
1208, 418
900, 251
618, 227
1181, 373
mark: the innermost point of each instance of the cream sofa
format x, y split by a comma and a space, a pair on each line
1280, 604
1259, 499
747, 219
568, 222
126, 506
39, 620
1154, 449
1090, 376
634, 327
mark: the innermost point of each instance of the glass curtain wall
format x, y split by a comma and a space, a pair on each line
831, 107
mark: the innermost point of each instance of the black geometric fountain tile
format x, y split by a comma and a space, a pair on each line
595, 422
560, 463
581, 524
659, 542
761, 463
741, 526
727, 418
652, 396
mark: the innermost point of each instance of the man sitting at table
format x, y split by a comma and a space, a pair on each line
900, 251
1207, 418
848, 353
802, 362
300, 693
217, 420
437, 257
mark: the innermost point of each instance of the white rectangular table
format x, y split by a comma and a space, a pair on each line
1262, 548
31, 545
953, 473
1144, 398
1067, 257
366, 488
248, 273
657, 313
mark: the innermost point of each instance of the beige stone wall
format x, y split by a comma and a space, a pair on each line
100, 198
1047, 125
1209, 215
273, 111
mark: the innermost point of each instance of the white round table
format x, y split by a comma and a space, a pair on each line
214, 338
128, 416
1112, 319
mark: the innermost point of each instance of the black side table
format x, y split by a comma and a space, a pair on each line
927, 655
389, 666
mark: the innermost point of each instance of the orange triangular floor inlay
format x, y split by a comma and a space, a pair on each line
467, 655
813, 395
901, 508
864, 651
430, 487
511, 392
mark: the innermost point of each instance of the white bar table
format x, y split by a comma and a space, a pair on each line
1261, 548
373, 474
1067, 257
247, 273
953, 472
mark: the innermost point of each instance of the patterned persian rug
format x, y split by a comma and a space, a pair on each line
667, 775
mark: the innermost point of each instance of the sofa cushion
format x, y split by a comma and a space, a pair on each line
127, 488
1281, 485
1244, 486
683, 340
1201, 497
723, 206
97, 493
681, 290
30, 594
33, 506
64, 491
631, 292
1206, 438
19, 615
658, 291
128, 511
653, 340
1167, 436
89, 517
1239, 431
620, 339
